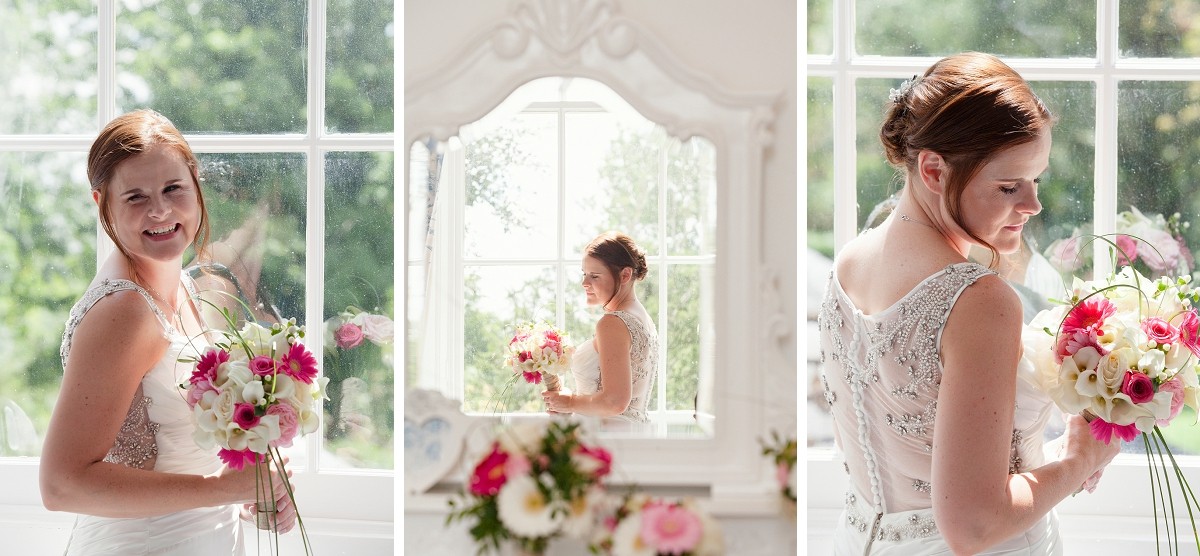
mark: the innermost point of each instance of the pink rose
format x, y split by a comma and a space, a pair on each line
1160, 331
289, 423
1138, 387
378, 329
244, 415
1189, 331
262, 365
1126, 250
1176, 388
1064, 254
348, 335
782, 474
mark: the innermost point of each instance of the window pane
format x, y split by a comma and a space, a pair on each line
877, 180
359, 69
1158, 169
820, 27
359, 301
215, 67
256, 206
685, 323
820, 165
1035, 28
498, 297
512, 190
1164, 29
47, 259
1066, 192
691, 198
48, 52
613, 172
820, 247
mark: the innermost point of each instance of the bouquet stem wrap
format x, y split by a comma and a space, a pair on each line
553, 384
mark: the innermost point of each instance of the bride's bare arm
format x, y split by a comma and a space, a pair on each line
118, 339
616, 379
976, 502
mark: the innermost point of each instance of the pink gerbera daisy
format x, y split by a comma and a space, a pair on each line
206, 367
670, 529
238, 459
1103, 431
1089, 314
299, 363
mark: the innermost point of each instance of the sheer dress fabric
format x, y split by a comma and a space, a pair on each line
157, 435
643, 363
881, 374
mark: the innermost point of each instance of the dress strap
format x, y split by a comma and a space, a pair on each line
94, 294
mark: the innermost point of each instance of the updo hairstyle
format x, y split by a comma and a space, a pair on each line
966, 108
618, 251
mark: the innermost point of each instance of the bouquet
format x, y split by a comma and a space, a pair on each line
534, 484
1152, 244
539, 352
782, 451
252, 394
1123, 351
644, 526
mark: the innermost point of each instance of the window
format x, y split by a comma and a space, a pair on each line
1119, 76
516, 198
290, 111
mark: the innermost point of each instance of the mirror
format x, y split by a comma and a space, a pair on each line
583, 61
499, 217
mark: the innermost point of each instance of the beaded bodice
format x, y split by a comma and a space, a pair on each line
643, 363
881, 377
135, 444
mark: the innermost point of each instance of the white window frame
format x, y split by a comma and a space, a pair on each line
322, 494
826, 480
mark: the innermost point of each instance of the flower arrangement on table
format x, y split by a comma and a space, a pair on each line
782, 451
1153, 244
537, 482
251, 394
645, 526
539, 352
348, 336
1123, 352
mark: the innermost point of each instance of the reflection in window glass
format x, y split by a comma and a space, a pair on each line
256, 207
359, 69
820, 27
215, 67
877, 180
1160, 29
359, 301
1035, 28
47, 260
48, 52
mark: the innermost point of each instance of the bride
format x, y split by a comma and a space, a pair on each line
119, 449
614, 370
940, 428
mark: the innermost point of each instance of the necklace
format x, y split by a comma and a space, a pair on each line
907, 218
161, 299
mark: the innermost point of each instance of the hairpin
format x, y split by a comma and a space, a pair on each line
898, 95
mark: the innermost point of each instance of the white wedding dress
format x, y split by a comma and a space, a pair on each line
157, 435
643, 363
881, 376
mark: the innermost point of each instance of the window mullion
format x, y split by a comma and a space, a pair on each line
664, 274
1106, 163
560, 304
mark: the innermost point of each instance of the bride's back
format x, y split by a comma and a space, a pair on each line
885, 263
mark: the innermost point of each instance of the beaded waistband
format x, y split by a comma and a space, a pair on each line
893, 527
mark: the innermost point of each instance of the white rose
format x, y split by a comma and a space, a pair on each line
1113, 366
378, 329
222, 408
235, 374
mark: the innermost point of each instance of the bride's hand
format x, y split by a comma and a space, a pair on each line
285, 514
557, 402
244, 485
